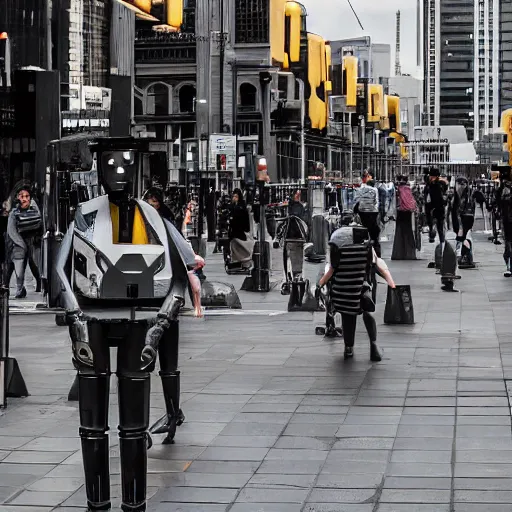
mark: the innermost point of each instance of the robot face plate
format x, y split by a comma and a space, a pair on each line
117, 171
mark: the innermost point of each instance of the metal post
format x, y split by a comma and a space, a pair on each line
4, 342
363, 140
302, 135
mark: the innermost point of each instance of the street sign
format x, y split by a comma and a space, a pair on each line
222, 152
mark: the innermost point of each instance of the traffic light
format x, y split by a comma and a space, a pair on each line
350, 64
394, 113
375, 103
142, 8
293, 26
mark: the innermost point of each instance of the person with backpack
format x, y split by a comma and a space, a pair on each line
367, 207
504, 205
404, 244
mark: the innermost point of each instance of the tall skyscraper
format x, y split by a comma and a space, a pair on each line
464, 62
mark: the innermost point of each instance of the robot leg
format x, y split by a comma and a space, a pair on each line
134, 399
94, 387
168, 354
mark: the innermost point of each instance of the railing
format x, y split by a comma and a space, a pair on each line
174, 55
164, 47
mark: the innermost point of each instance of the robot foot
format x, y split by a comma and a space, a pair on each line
133, 508
285, 289
431, 265
167, 425
95, 507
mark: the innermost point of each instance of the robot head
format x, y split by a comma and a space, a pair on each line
117, 171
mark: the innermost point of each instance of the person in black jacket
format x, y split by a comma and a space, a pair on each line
435, 203
504, 204
155, 198
239, 226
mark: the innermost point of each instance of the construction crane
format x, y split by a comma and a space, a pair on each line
398, 67
355, 14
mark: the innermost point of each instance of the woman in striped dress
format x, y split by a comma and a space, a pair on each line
349, 268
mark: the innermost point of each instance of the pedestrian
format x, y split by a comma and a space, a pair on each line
155, 198
239, 226
435, 204
350, 271
367, 207
24, 230
504, 205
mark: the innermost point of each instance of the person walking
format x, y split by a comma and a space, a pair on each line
435, 204
503, 201
24, 229
239, 225
367, 207
350, 271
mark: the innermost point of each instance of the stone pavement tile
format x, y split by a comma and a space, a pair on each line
292, 454
291, 467
359, 455
418, 419
263, 417
368, 401
484, 420
210, 416
41, 498
340, 495
304, 443
190, 438
337, 507
397, 482
51, 444
266, 407
421, 496
425, 402
33, 457
482, 470
13, 442
281, 481
311, 429
245, 441
431, 457
483, 411
473, 496
4, 454
480, 507
419, 469
235, 454
482, 431
353, 419
427, 431
186, 507
429, 411
271, 495
223, 467
252, 429
195, 495
321, 419
487, 443
340, 467
66, 471
24, 469
6, 492
56, 484
21, 508
367, 431
266, 507
480, 385
159, 451
477, 401
416, 507
483, 484
422, 443
351, 481
376, 411
364, 443
188, 479
324, 409
158, 465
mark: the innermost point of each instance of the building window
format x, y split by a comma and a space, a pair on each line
157, 99
187, 97
252, 21
248, 98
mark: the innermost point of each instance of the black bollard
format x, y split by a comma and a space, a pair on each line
12, 384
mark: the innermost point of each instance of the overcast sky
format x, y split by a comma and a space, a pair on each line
333, 19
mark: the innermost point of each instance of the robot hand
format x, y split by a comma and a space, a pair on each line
169, 313
79, 334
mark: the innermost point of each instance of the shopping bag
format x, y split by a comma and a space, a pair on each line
399, 307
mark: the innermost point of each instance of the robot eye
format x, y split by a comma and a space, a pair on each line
111, 162
128, 157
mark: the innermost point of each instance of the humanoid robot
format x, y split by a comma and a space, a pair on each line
120, 252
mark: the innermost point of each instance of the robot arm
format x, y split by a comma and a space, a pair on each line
182, 257
74, 317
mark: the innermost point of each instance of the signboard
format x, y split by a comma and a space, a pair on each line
222, 152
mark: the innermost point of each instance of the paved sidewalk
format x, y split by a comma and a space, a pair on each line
278, 422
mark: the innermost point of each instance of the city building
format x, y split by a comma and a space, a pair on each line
410, 90
374, 58
467, 63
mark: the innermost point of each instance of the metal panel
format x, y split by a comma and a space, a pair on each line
122, 60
